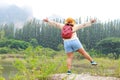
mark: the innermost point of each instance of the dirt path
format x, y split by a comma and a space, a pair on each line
81, 77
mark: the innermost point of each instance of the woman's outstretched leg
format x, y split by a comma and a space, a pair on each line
86, 55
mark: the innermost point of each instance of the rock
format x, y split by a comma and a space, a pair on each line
81, 77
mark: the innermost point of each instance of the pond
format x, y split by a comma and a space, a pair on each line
8, 69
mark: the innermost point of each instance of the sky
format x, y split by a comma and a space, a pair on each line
101, 9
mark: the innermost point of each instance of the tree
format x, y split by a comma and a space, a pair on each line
48, 36
34, 42
110, 45
2, 35
9, 30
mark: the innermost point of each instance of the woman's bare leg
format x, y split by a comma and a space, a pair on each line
69, 60
85, 54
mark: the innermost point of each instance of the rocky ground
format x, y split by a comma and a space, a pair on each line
81, 77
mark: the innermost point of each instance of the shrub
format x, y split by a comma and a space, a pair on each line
17, 44
1, 78
4, 50
38, 64
110, 45
34, 42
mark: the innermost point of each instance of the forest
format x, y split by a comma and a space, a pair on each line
39, 33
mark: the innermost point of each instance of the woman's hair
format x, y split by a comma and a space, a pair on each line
70, 21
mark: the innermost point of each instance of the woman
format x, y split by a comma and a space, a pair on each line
73, 44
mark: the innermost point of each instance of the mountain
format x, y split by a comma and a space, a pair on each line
14, 14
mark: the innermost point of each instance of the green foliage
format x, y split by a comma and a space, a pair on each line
16, 44
19, 44
1, 69
50, 52
40, 51
4, 50
60, 47
95, 53
34, 42
1, 78
48, 36
36, 66
9, 31
105, 67
2, 34
43, 61
110, 45
117, 70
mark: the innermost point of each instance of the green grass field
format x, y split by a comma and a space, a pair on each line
105, 67
41, 67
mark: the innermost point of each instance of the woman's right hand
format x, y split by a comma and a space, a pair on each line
46, 20
92, 20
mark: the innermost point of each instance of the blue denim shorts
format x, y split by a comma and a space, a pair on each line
72, 45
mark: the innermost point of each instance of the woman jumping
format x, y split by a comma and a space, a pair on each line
73, 44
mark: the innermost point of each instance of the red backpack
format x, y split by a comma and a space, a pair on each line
66, 32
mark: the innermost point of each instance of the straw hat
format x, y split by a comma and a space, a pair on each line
70, 20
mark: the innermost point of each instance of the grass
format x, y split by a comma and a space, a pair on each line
43, 66
105, 67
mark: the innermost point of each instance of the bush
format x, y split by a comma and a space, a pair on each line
38, 64
17, 44
4, 50
1, 68
34, 42
110, 45
36, 67
1, 78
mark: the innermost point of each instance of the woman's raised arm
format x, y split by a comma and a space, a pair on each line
86, 24
53, 23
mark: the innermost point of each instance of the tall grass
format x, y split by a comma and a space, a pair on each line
1, 77
105, 67
41, 63
39, 67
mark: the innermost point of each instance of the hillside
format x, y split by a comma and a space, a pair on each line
14, 14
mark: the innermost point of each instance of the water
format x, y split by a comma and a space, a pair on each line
8, 70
